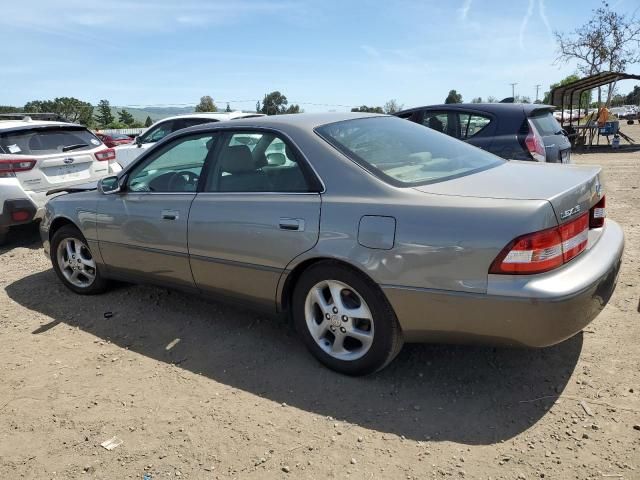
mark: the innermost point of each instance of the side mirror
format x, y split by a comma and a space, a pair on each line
109, 185
138, 141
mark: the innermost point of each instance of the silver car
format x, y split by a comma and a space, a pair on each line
367, 230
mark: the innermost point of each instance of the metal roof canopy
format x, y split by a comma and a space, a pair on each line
564, 95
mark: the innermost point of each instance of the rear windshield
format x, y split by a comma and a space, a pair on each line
404, 153
47, 141
119, 136
546, 124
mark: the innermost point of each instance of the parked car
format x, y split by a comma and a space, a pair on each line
114, 139
125, 154
36, 156
514, 131
372, 232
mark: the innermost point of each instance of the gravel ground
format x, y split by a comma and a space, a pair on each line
238, 396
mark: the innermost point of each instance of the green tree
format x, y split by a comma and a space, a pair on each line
126, 118
148, 122
633, 98
70, 108
364, 108
228, 109
392, 106
104, 116
206, 105
8, 109
258, 109
453, 97
275, 103
492, 99
477, 100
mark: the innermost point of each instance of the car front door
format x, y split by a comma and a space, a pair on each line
260, 209
142, 230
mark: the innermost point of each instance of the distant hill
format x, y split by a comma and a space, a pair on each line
156, 113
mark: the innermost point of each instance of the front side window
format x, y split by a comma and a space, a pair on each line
158, 132
471, 124
438, 121
405, 153
175, 169
252, 161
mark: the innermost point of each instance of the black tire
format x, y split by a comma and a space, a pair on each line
387, 338
99, 284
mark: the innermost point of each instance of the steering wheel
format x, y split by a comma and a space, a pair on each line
181, 180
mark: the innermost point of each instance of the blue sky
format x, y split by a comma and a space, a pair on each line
327, 52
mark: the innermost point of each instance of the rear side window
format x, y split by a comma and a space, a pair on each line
471, 124
404, 153
47, 141
546, 124
438, 121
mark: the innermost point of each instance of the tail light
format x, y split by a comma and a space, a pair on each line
106, 154
544, 250
535, 144
9, 168
597, 214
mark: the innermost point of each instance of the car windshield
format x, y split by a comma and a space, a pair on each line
46, 141
546, 124
404, 153
119, 136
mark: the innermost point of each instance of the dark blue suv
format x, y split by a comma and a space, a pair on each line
515, 131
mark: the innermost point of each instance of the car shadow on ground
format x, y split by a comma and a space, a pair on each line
471, 395
26, 236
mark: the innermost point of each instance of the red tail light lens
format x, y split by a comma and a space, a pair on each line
9, 167
535, 144
544, 250
106, 154
20, 216
597, 214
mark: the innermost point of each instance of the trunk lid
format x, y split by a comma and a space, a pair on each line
556, 144
570, 189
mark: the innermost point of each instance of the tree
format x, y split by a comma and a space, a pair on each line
477, 100
275, 103
453, 97
148, 122
206, 105
104, 116
258, 109
228, 109
609, 41
492, 99
522, 99
126, 118
364, 108
633, 98
9, 109
392, 107
70, 108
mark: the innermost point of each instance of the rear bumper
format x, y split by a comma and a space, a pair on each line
533, 311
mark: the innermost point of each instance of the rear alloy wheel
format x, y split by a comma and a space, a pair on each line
345, 320
73, 262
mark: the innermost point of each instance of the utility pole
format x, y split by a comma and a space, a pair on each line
513, 90
537, 89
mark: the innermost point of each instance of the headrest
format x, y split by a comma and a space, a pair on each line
237, 159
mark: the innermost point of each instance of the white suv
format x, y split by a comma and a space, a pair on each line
37, 156
125, 154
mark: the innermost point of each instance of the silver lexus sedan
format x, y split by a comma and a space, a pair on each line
367, 230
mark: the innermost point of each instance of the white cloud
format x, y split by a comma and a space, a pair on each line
544, 18
464, 10
525, 21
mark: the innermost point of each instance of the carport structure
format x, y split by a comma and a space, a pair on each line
565, 95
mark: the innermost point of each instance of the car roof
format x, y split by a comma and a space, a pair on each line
213, 115
307, 121
486, 107
7, 125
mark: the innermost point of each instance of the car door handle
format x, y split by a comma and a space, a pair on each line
296, 224
170, 214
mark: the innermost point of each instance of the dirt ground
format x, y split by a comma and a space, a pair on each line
238, 396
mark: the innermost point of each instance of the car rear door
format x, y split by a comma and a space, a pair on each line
476, 128
142, 231
259, 209
53, 156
